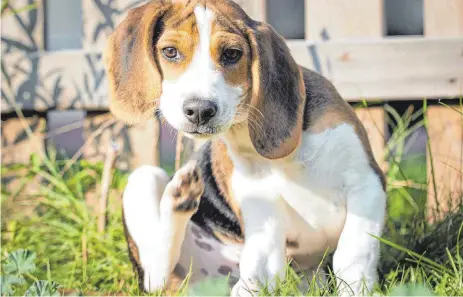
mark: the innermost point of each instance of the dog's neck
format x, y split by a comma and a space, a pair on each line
238, 141
241, 149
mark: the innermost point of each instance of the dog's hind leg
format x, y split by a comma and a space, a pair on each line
156, 214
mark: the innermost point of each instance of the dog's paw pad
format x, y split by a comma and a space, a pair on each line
186, 188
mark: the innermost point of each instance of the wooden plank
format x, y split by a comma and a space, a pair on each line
100, 18
23, 31
446, 142
138, 144
388, 68
343, 19
443, 18
392, 68
42, 81
256, 9
16, 145
17, 148
374, 121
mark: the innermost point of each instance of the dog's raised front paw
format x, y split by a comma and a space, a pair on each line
185, 189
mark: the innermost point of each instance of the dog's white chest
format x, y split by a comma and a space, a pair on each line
312, 187
314, 215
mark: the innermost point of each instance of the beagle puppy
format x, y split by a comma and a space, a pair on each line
286, 171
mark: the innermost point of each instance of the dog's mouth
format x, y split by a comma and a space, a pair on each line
201, 131
204, 131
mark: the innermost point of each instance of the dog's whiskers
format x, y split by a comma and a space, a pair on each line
256, 117
254, 108
254, 123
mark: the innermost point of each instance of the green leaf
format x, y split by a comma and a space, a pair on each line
7, 281
5, 285
411, 290
43, 288
211, 287
19, 262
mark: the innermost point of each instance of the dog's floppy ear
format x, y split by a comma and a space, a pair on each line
278, 93
133, 74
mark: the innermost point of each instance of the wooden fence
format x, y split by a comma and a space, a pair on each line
345, 40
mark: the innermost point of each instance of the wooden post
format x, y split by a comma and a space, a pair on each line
445, 168
443, 18
256, 9
373, 119
13, 29
100, 19
445, 126
343, 19
339, 19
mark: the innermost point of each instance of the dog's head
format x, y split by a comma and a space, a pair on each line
205, 66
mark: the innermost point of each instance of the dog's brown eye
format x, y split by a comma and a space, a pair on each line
170, 53
231, 56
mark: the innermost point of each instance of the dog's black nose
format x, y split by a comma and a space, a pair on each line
199, 111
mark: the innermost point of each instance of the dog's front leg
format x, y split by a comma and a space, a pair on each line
156, 214
263, 258
356, 257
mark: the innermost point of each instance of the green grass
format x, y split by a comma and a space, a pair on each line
57, 226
